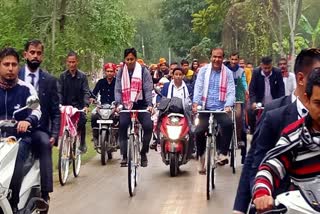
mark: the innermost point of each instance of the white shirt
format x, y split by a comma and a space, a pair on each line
289, 83
180, 92
28, 78
267, 90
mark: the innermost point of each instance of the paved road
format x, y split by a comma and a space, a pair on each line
103, 189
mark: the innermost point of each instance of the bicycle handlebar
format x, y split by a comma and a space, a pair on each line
135, 111
210, 111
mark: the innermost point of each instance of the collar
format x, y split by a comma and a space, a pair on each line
234, 69
69, 73
178, 88
302, 110
262, 73
293, 97
36, 73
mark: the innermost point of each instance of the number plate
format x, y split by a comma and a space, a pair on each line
105, 121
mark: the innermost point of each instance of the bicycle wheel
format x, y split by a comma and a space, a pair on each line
64, 158
233, 152
137, 158
103, 145
76, 162
211, 166
131, 166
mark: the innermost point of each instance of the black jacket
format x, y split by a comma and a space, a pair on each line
243, 195
271, 128
79, 90
49, 102
257, 85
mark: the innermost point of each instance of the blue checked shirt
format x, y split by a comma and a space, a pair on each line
213, 102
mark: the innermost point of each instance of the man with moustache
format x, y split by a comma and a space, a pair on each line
47, 134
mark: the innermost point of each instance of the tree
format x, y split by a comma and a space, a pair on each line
292, 9
314, 32
177, 21
93, 28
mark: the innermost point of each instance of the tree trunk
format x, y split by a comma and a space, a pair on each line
293, 11
53, 30
62, 19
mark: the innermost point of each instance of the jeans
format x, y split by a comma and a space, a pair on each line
43, 150
18, 173
226, 125
125, 122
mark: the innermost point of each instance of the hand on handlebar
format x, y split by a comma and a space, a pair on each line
92, 100
227, 109
23, 126
264, 203
194, 108
151, 110
254, 106
86, 110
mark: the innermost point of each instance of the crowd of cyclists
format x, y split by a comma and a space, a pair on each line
224, 83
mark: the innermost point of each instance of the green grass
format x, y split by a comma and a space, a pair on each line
86, 157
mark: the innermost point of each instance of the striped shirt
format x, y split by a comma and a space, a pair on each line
296, 155
213, 102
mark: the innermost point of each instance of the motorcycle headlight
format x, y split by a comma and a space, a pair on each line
174, 132
105, 113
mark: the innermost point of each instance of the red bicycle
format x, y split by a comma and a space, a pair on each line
69, 143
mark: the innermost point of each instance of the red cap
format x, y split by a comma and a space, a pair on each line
110, 65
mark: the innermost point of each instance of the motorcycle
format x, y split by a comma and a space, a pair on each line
108, 131
304, 200
174, 135
30, 201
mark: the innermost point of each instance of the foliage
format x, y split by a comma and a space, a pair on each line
314, 32
201, 51
177, 22
95, 29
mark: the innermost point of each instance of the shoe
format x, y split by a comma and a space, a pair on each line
202, 168
14, 210
144, 160
83, 149
153, 145
124, 162
43, 205
95, 143
222, 160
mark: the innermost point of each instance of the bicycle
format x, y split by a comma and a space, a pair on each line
234, 141
69, 143
211, 149
134, 145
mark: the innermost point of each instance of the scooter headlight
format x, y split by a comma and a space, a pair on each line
105, 113
174, 132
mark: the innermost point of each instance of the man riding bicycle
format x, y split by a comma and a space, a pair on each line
214, 90
133, 90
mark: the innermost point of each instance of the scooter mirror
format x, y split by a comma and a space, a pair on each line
33, 102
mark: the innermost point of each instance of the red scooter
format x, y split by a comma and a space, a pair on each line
174, 136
